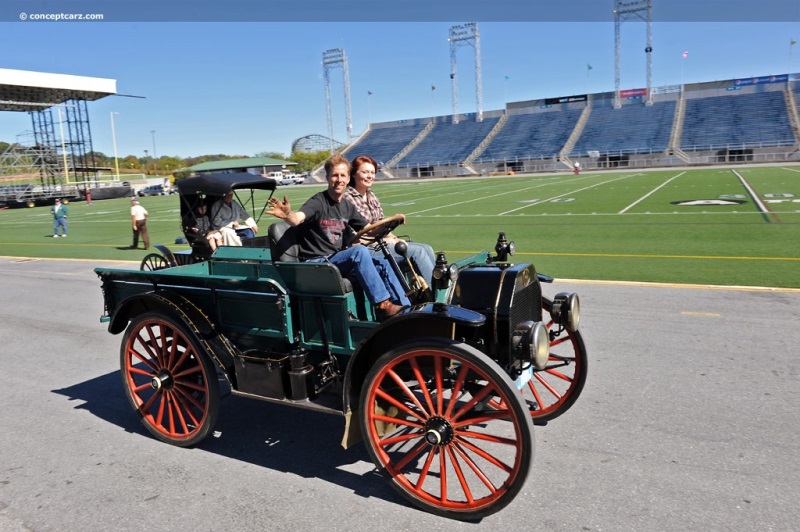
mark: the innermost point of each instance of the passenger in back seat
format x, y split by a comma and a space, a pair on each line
230, 219
322, 223
200, 224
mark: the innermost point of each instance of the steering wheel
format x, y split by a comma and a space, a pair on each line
381, 228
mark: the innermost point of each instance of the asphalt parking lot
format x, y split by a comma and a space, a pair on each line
690, 420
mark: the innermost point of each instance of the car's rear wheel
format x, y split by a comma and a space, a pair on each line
153, 261
169, 379
430, 430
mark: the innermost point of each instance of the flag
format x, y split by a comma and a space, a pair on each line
792, 42
588, 66
506, 78
433, 87
369, 93
685, 54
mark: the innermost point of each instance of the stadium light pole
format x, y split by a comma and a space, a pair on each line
155, 156
114, 141
63, 145
146, 163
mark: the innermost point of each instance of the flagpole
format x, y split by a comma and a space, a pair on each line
684, 55
369, 108
588, 78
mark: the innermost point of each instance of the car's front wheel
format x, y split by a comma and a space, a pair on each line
430, 429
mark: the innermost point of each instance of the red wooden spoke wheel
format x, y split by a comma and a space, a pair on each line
430, 430
553, 390
169, 380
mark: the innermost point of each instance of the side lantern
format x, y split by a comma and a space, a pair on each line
566, 310
530, 343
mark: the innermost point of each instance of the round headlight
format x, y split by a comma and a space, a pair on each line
540, 345
512, 247
452, 272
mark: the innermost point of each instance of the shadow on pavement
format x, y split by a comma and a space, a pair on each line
287, 439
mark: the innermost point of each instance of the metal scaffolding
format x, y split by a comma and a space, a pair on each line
58, 157
641, 10
336, 58
466, 35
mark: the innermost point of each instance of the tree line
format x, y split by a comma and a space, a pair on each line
170, 164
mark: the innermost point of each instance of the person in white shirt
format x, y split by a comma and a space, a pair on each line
139, 218
227, 216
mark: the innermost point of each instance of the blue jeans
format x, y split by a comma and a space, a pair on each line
60, 222
246, 233
375, 276
421, 255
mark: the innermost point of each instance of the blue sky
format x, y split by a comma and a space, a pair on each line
244, 88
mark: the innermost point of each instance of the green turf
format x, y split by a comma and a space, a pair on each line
599, 225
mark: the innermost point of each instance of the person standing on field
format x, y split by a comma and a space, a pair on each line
139, 218
60, 213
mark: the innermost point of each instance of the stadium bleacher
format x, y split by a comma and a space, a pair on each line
383, 143
531, 136
633, 128
757, 119
722, 115
449, 143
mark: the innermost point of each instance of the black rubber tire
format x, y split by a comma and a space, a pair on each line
169, 380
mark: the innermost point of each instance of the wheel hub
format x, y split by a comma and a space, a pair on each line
438, 431
161, 381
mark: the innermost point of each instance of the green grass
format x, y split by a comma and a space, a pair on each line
598, 225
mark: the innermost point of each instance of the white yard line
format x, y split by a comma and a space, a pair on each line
662, 185
569, 193
627, 215
753, 195
482, 198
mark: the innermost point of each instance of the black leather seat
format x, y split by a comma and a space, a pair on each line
283, 244
283, 247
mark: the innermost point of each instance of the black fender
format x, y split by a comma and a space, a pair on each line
168, 255
437, 323
217, 346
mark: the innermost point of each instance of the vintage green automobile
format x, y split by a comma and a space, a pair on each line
444, 395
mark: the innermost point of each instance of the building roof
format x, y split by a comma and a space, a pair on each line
24, 90
237, 164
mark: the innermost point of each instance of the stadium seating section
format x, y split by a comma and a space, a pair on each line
385, 142
719, 117
633, 128
531, 136
449, 143
746, 120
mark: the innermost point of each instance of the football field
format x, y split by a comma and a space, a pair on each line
721, 226
736, 226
